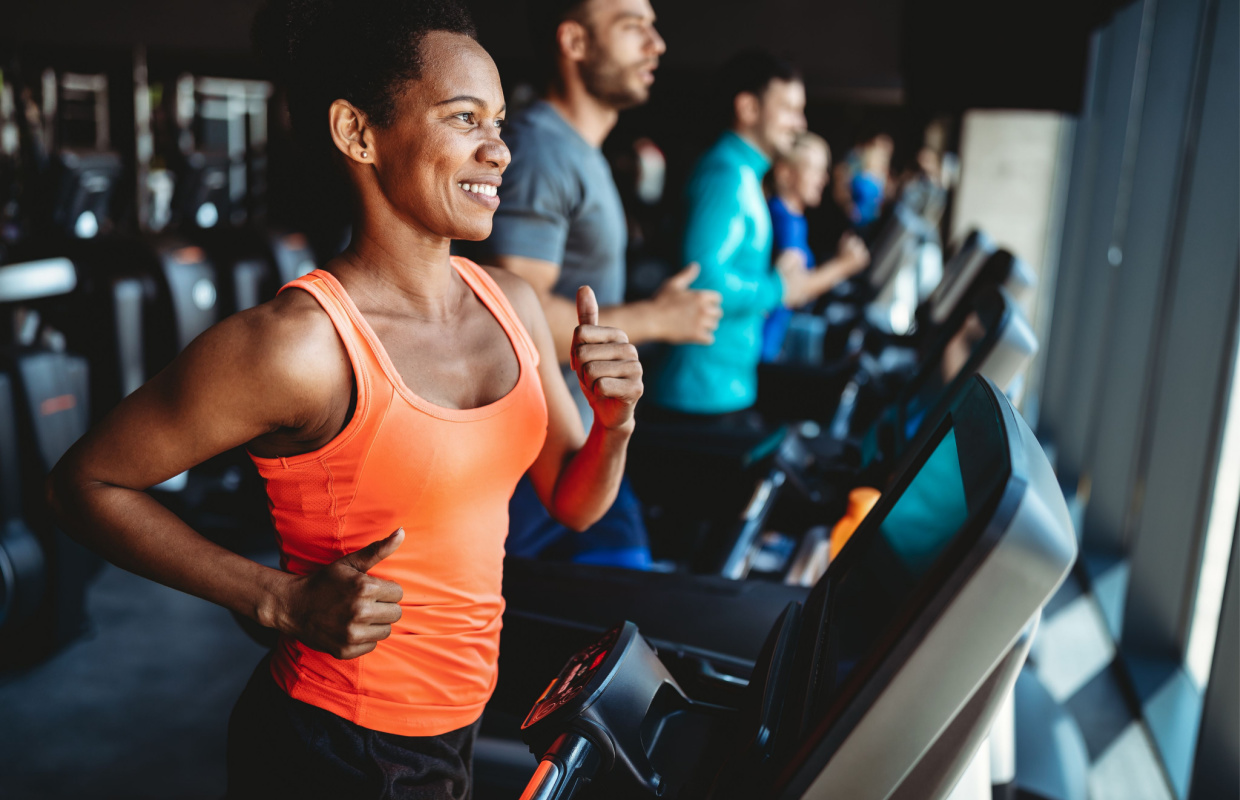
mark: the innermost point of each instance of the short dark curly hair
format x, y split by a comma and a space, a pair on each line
751, 71
324, 50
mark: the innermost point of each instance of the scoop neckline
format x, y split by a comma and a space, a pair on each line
393, 374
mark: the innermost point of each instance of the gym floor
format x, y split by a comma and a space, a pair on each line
136, 708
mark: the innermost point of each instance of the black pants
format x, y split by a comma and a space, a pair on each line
281, 747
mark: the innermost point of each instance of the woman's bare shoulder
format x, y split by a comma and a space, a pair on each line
288, 344
521, 295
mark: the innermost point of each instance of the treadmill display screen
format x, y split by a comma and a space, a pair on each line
573, 679
930, 512
870, 598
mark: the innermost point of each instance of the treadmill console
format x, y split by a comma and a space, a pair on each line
615, 711
578, 674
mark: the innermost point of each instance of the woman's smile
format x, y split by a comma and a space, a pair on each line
485, 194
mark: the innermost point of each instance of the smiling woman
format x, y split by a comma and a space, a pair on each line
433, 161
390, 401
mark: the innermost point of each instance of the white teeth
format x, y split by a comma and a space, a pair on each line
479, 188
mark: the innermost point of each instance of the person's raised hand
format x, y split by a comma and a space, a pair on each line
794, 272
687, 315
606, 365
341, 610
853, 253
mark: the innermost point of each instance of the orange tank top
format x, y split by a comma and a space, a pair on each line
445, 476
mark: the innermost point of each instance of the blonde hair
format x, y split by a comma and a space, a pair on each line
804, 140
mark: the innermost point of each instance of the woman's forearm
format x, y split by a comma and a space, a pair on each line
134, 531
590, 480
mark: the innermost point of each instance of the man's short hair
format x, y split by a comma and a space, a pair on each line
752, 71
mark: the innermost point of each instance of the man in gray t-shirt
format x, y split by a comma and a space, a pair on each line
560, 225
559, 205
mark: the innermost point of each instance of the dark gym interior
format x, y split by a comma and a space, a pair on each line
1073, 255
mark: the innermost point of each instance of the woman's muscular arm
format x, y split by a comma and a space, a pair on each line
275, 372
576, 475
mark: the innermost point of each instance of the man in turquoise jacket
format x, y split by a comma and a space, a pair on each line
728, 234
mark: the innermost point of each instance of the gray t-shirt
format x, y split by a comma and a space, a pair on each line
559, 203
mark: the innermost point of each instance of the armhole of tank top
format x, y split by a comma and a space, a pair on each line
501, 303
359, 396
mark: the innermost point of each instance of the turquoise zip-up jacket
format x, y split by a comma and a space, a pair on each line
728, 234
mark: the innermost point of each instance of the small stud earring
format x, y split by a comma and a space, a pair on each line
363, 154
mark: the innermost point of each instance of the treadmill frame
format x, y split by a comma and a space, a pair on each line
871, 709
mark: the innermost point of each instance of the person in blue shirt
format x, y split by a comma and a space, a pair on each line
861, 181
728, 234
797, 182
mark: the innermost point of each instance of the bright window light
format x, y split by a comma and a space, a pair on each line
1220, 531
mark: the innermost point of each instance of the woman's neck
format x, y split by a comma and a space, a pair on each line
399, 268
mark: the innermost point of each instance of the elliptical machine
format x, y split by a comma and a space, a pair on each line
44, 409
138, 300
217, 163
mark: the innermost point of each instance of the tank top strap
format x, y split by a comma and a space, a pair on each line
485, 287
330, 295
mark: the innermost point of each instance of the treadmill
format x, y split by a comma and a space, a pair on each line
893, 248
991, 338
789, 389
879, 683
870, 352
818, 474
709, 493
975, 269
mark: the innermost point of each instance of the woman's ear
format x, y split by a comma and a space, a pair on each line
351, 133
